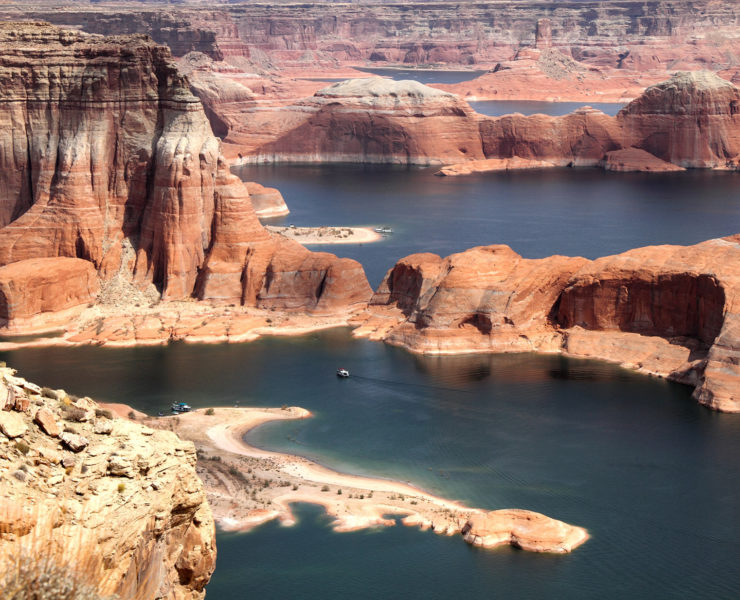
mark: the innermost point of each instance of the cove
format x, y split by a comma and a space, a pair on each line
574, 212
649, 472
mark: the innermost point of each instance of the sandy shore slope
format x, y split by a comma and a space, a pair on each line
248, 486
328, 235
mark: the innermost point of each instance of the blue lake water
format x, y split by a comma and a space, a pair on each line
652, 475
575, 212
425, 76
497, 108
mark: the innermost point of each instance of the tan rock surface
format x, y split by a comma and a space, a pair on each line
522, 528
670, 311
634, 159
247, 486
691, 120
149, 531
31, 287
367, 120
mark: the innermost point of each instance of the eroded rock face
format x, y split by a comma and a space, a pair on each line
666, 310
36, 286
631, 33
369, 120
691, 120
107, 157
523, 528
145, 529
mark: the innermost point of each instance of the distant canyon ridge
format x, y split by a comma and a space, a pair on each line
627, 34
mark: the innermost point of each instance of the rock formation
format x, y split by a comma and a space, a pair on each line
368, 120
522, 528
631, 33
38, 286
691, 120
98, 500
108, 157
671, 311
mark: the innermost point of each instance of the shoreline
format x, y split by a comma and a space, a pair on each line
248, 486
327, 234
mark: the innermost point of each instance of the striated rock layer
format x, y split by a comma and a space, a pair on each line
108, 157
364, 120
671, 311
627, 34
691, 120
99, 501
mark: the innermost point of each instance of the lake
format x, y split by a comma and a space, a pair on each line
652, 475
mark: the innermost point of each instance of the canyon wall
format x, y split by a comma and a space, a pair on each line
690, 121
671, 311
622, 34
94, 503
109, 158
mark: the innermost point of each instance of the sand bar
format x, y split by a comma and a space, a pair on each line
248, 486
328, 235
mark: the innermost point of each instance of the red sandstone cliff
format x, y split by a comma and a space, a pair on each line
628, 34
108, 157
666, 310
365, 120
691, 120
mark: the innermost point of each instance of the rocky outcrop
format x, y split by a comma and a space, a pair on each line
634, 159
691, 120
522, 528
107, 157
369, 120
267, 202
670, 311
122, 499
36, 286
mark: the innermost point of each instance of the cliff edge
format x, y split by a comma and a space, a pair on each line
107, 157
97, 501
670, 311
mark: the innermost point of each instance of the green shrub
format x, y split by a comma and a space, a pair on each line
210, 412
22, 447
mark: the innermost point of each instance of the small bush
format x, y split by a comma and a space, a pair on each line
73, 413
121, 488
210, 412
22, 447
47, 392
104, 413
132, 415
339, 492
325, 488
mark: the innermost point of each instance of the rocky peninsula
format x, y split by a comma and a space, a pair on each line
669, 311
247, 486
691, 120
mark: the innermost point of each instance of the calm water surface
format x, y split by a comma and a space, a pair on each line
575, 212
652, 475
497, 108
425, 76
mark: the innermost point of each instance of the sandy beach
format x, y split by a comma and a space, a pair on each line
248, 486
328, 235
